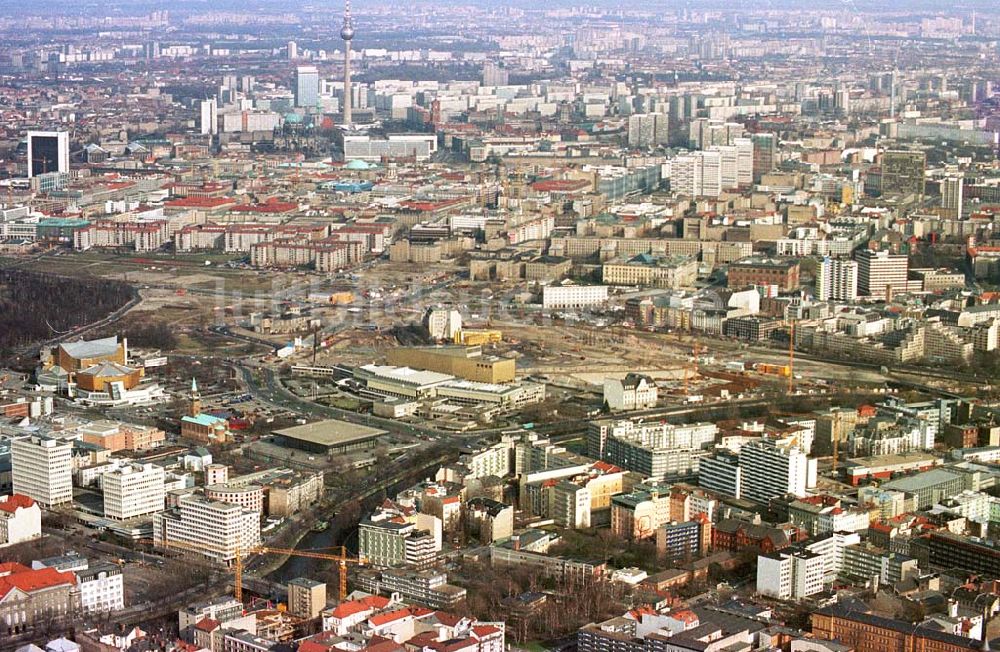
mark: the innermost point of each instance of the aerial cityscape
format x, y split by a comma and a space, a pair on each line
465, 326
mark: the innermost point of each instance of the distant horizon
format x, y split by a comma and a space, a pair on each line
892, 6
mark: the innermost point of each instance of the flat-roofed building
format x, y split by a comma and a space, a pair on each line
467, 362
42, 469
329, 436
133, 490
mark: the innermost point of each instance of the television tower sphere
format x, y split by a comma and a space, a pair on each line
347, 32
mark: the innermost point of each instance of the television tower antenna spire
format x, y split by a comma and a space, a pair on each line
347, 33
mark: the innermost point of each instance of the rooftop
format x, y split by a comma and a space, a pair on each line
329, 433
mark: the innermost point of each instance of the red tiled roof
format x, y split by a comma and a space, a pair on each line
386, 618
15, 502
345, 609
207, 624
30, 581
485, 630
446, 618
199, 202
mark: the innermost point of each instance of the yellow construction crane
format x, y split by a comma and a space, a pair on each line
342, 560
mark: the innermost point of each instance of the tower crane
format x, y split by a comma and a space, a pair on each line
342, 559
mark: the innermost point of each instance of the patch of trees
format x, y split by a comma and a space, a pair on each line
145, 332
35, 306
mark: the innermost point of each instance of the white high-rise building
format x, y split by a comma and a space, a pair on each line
744, 161
442, 323
686, 175
711, 173
209, 120
219, 531
951, 196
42, 469
292, 50
837, 280
775, 467
881, 272
133, 490
727, 165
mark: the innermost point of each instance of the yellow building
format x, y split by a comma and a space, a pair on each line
471, 337
466, 362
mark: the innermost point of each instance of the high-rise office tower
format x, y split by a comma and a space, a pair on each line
306, 86
951, 196
293, 50
347, 33
209, 117
42, 469
837, 280
48, 151
881, 273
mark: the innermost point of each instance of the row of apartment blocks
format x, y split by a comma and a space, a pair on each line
373, 237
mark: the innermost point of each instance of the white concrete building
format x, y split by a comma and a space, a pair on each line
775, 467
837, 280
633, 392
20, 519
101, 588
218, 530
42, 469
573, 296
442, 323
133, 490
790, 575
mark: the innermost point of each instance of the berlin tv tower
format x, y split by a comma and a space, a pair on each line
347, 33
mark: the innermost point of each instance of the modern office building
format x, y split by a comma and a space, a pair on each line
775, 467
880, 273
790, 574
656, 450
721, 473
837, 280
42, 469
306, 86
216, 530
387, 539
208, 122
133, 490
48, 151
